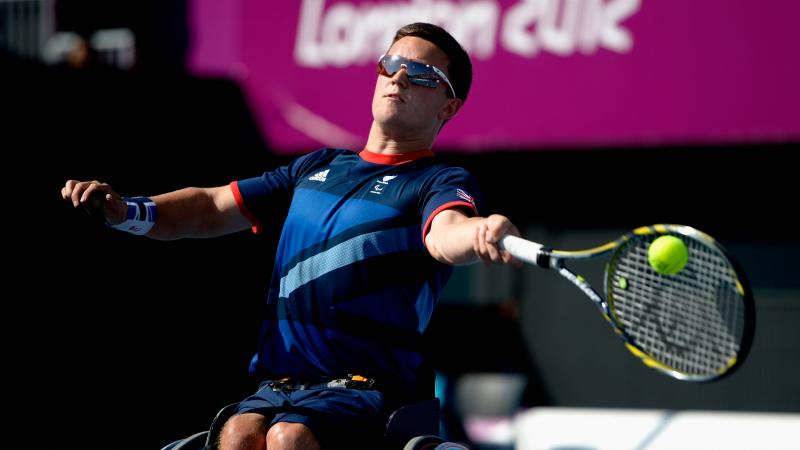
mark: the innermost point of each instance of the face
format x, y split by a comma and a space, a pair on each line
402, 108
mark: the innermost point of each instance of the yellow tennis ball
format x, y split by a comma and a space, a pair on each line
668, 255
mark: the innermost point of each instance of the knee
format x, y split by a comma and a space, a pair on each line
290, 436
244, 431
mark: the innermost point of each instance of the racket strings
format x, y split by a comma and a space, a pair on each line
704, 281
680, 331
693, 321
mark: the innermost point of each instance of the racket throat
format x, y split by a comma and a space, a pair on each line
579, 281
543, 258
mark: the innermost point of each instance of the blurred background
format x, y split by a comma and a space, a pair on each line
587, 118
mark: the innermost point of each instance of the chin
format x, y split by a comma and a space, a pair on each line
388, 116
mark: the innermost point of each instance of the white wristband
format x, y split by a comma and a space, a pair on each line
142, 214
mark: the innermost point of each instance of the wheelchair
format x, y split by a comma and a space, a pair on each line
412, 427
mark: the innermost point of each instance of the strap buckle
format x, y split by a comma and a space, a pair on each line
280, 385
358, 382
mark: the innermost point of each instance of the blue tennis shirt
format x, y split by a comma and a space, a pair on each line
353, 286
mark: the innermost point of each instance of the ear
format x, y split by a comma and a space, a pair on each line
450, 108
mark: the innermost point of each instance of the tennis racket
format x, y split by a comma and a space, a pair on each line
696, 325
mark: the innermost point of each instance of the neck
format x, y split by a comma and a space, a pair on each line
380, 141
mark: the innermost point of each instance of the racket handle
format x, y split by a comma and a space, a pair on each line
522, 249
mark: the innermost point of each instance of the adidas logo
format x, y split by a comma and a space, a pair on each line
320, 176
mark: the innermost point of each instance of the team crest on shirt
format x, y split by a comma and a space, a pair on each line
463, 195
381, 183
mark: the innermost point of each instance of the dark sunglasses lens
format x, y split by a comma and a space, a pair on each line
424, 82
419, 74
391, 65
382, 68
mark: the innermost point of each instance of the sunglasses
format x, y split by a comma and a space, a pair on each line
418, 73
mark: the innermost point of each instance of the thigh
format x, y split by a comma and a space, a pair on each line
264, 401
339, 418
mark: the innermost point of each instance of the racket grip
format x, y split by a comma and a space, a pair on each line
522, 249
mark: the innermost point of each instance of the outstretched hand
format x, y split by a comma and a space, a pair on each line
96, 198
487, 238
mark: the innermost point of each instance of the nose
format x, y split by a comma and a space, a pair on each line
401, 76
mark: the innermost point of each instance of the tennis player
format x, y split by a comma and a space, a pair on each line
367, 246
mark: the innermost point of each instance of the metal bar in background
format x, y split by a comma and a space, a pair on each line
26, 26
47, 23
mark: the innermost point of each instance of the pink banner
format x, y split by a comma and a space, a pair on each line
547, 73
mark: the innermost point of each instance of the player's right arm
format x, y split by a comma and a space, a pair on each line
190, 212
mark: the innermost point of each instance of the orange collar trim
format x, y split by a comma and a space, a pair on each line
393, 159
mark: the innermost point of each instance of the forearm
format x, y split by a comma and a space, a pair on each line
457, 239
453, 243
189, 212
184, 213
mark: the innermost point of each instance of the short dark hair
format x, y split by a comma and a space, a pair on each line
459, 67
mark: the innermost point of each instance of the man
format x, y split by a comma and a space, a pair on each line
366, 248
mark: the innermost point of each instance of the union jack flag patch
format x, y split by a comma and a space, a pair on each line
462, 194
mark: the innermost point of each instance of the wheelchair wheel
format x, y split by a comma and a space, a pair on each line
423, 443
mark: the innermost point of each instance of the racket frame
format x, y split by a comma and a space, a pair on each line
556, 260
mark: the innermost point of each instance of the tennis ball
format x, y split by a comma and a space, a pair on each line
667, 255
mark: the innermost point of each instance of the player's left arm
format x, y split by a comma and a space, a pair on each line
455, 238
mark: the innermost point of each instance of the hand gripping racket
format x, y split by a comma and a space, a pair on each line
695, 325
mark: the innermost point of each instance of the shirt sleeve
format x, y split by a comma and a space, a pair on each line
452, 187
263, 199
259, 197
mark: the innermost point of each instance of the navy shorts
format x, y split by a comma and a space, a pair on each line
339, 418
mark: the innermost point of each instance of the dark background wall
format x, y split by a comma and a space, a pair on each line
120, 333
